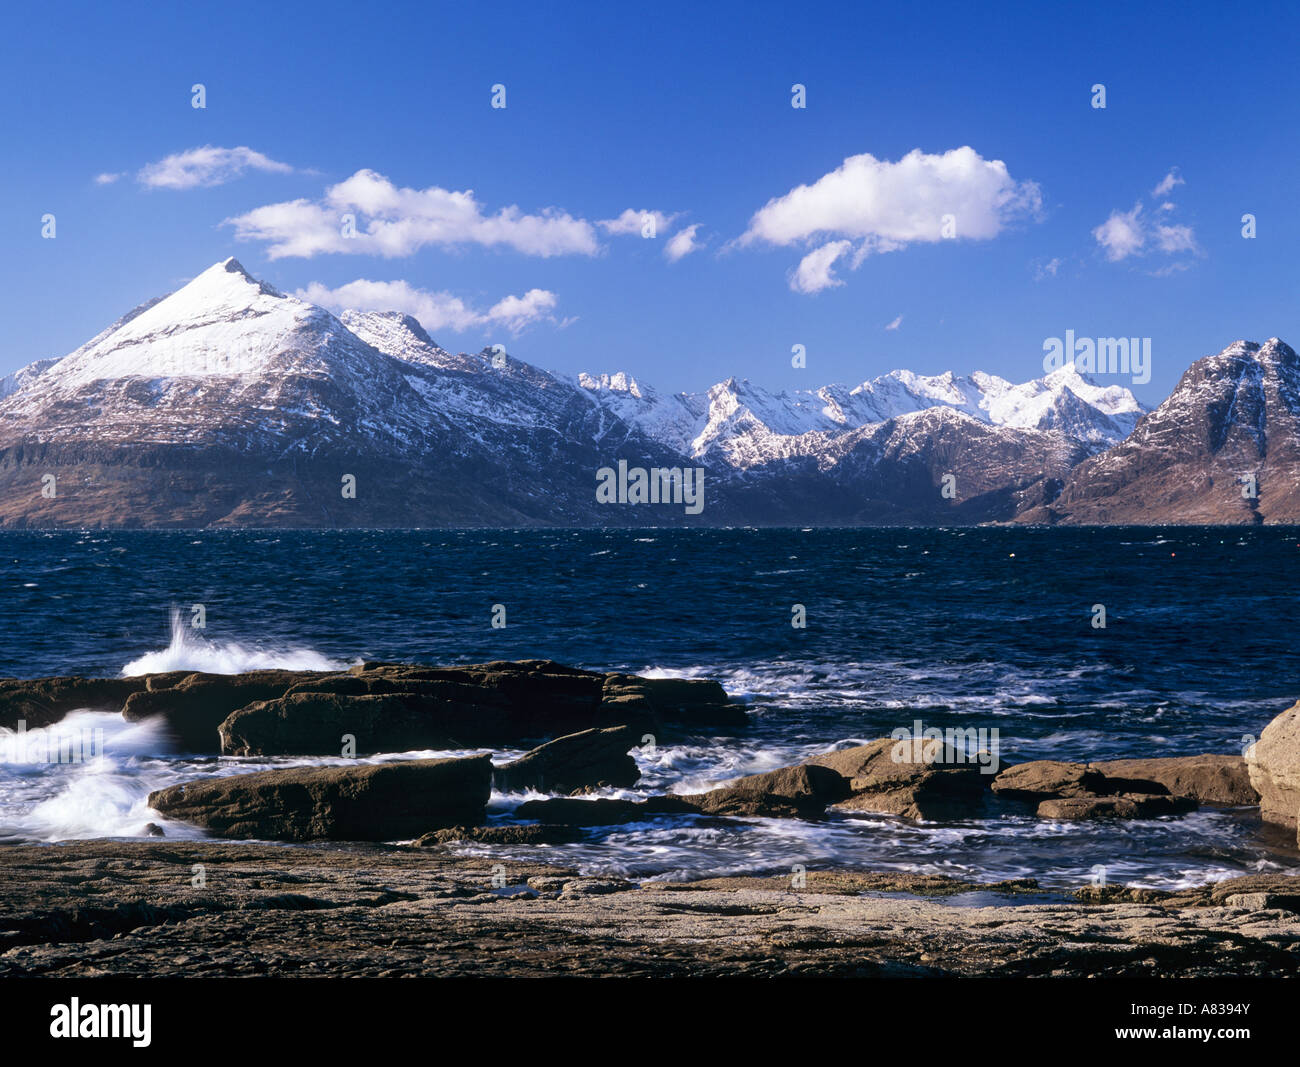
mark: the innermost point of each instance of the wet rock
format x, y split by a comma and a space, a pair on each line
396, 707
1041, 780
587, 759
800, 792
885, 776
44, 701
1123, 806
152, 829
1274, 766
503, 835
315, 723
1211, 779
195, 705
1098, 787
689, 702
367, 802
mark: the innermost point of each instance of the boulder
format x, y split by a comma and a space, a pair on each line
1210, 779
364, 802
312, 722
803, 792
1274, 766
585, 760
687, 702
602, 812
1122, 806
195, 705
391, 707
42, 702
1045, 779
884, 776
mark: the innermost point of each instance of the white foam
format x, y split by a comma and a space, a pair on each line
188, 651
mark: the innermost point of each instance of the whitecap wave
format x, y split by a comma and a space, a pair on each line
189, 651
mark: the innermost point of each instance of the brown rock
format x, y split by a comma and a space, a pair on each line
503, 835
491, 704
1045, 779
803, 791
365, 802
44, 701
587, 759
195, 705
943, 788
1122, 806
1274, 765
1211, 779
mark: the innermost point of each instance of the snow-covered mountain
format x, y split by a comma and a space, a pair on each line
1224, 447
228, 402
231, 402
745, 425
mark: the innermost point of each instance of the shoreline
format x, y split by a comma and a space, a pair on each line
114, 908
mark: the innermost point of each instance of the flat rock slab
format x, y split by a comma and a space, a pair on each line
132, 908
363, 802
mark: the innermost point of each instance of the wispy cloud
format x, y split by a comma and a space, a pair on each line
816, 271
1137, 233
393, 221
871, 206
435, 310
1049, 269
682, 243
1168, 184
895, 324
107, 178
206, 166
633, 222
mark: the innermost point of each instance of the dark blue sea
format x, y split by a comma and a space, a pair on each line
987, 627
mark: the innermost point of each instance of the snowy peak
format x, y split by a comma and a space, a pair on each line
402, 337
747, 424
619, 382
224, 323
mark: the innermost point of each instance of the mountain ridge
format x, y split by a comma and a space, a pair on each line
228, 402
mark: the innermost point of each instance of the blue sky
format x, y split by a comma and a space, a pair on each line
686, 111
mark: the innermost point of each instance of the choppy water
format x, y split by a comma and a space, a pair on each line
989, 628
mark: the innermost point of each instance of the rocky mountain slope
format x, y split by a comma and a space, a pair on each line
1223, 448
231, 403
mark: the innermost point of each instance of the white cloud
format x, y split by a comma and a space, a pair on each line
1168, 184
206, 166
435, 310
1123, 234
632, 222
1173, 239
518, 312
107, 178
816, 270
392, 221
884, 207
682, 243
1133, 233
895, 324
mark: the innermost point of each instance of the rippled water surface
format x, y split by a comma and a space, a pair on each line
991, 628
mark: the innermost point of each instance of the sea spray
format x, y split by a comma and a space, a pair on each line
189, 651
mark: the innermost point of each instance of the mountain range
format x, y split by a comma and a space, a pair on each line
229, 403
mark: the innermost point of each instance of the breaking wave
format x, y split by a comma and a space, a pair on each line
189, 651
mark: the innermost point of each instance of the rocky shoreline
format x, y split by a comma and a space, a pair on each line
371, 876
112, 908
